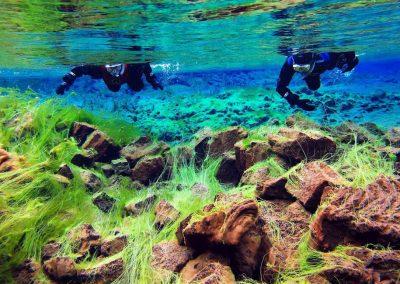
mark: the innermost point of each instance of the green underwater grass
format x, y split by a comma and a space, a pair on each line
35, 208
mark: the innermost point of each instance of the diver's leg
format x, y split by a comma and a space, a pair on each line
313, 82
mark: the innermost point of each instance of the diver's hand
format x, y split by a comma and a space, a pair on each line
306, 104
158, 86
61, 89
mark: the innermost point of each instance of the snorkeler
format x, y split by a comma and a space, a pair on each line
311, 66
114, 76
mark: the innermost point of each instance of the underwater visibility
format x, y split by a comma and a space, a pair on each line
199, 141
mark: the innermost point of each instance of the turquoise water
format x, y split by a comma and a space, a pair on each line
218, 60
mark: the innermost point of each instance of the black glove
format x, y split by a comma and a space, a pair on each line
306, 105
158, 86
294, 100
61, 89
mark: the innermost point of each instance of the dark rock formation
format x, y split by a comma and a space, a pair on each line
121, 167
113, 246
80, 131
91, 181
26, 273
249, 155
314, 178
60, 269
208, 268
50, 250
359, 217
108, 170
105, 273
349, 132
296, 146
85, 240
65, 171
84, 159
171, 256
255, 176
227, 171
137, 208
148, 169
273, 189
104, 202
165, 214
104, 146
392, 137
224, 141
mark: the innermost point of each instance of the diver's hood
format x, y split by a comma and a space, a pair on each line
115, 70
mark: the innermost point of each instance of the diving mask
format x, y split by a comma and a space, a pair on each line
115, 70
302, 68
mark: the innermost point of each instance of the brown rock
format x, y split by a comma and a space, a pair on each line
113, 246
137, 208
165, 214
104, 146
222, 228
148, 170
227, 171
84, 159
201, 148
179, 232
141, 148
80, 131
85, 240
9, 162
65, 171
224, 141
358, 217
273, 189
385, 266
347, 272
26, 273
249, 155
104, 202
392, 137
121, 167
107, 170
171, 256
249, 254
255, 176
50, 250
349, 132
296, 146
225, 198
208, 268
103, 274
314, 178
300, 122
60, 269
91, 181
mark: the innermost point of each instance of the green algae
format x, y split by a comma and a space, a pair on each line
35, 208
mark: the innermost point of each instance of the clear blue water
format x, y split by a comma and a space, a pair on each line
222, 55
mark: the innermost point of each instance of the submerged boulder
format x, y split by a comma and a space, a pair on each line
26, 273
9, 162
50, 250
392, 137
113, 246
137, 208
255, 176
200, 190
148, 169
249, 155
106, 149
65, 171
224, 141
207, 268
141, 148
80, 131
165, 214
227, 171
60, 269
121, 167
104, 273
85, 240
314, 178
296, 146
358, 217
85, 158
92, 182
349, 132
104, 202
273, 189
171, 256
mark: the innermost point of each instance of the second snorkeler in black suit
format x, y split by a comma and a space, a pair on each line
114, 76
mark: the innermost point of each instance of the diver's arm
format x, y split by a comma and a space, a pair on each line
151, 78
76, 72
285, 76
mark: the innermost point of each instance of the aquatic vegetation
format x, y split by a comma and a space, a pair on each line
46, 212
